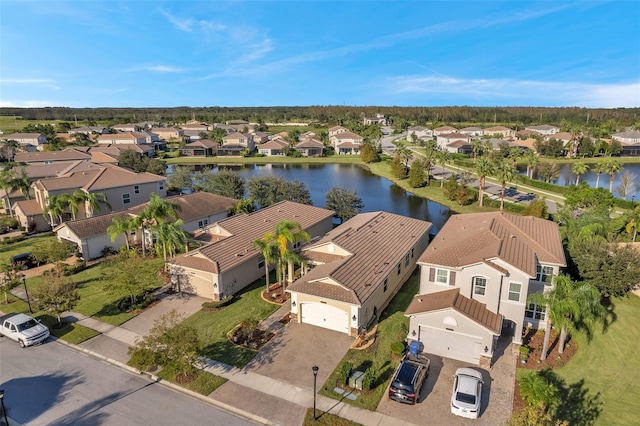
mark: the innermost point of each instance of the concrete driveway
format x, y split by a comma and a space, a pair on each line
298, 347
186, 304
435, 397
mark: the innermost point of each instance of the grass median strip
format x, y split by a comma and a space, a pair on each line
204, 383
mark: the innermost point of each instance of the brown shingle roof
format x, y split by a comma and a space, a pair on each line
347, 135
518, 240
67, 154
377, 241
245, 228
310, 143
202, 143
28, 207
195, 205
95, 225
448, 299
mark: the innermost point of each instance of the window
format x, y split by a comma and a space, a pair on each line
534, 311
261, 262
406, 260
136, 189
126, 198
442, 276
544, 274
479, 286
161, 186
384, 285
412, 252
399, 267
203, 223
514, 291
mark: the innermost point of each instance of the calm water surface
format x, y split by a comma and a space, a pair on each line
376, 192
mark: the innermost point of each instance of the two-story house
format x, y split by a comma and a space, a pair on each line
336, 130
423, 133
28, 141
504, 132
123, 138
475, 278
545, 129
472, 131
346, 142
454, 142
234, 144
443, 130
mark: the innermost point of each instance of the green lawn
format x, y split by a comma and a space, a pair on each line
94, 300
326, 419
204, 383
7, 251
10, 124
213, 326
602, 379
392, 328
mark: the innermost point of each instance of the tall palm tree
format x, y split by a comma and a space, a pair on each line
476, 145
157, 211
95, 200
599, 168
269, 251
612, 167
22, 183
6, 184
443, 157
170, 236
287, 234
404, 153
121, 226
633, 223
579, 168
483, 168
571, 307
504, 171
531, 158
55, 208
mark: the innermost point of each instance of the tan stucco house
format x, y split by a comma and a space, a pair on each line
230, 262
197, 210
357, 268
489, 263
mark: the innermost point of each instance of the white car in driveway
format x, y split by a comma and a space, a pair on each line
467, 393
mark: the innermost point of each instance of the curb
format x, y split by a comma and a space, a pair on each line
229, 408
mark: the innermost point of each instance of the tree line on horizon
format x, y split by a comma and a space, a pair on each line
340, 114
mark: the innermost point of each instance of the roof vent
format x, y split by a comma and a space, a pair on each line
420, 300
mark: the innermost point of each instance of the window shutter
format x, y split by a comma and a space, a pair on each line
452, 278
432, 274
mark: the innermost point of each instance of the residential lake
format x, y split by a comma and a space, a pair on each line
377, 193
567, 178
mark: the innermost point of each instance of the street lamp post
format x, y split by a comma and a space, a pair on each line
315, 376
24, 283
4, 410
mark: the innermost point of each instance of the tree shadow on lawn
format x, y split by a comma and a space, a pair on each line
228, 353
577, 406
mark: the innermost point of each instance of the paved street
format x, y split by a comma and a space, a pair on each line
51, 384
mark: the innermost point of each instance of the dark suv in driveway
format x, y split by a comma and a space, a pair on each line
407, 383
23, 260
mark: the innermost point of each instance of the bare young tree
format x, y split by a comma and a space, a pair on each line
627, 184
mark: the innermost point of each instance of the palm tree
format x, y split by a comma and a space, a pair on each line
579, 168
531, 158
483, 168
55, 208
633, 223
11, 182
288, 233
612, 166
476, 145
599, 168
404, 153
430, 151
269, 251
571, 307
121, 226
443, 158
170, 236
157, 211
95, 199
504, 171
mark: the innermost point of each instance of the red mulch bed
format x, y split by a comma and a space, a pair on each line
275, 294
534, 342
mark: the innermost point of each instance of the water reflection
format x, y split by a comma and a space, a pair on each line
376, 192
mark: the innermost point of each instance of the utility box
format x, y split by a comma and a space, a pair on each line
355, 380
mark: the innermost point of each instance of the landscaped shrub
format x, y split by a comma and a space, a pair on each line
368, 379
524, 351
397, 348
220, 304
345, 372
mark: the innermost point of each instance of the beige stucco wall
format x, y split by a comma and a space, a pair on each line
193, 225
114, 195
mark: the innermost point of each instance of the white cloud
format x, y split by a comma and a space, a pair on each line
158, 68
521, 92
184, 24
256, 51
26, 104
33, 81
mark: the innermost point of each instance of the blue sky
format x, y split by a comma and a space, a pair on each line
258, 53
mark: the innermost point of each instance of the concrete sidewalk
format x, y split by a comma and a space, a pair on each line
272, 388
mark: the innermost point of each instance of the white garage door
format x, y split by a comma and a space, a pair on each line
326, 316
450, 344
